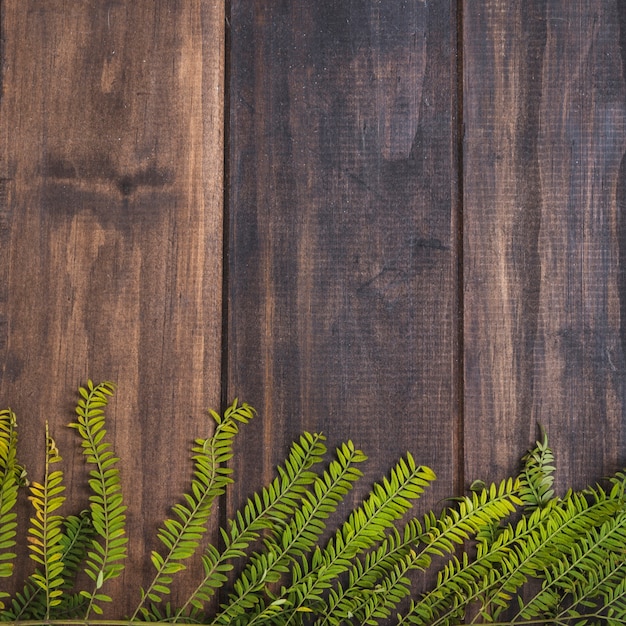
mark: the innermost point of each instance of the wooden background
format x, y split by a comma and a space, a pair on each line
400, 222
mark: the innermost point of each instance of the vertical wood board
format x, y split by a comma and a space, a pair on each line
111, 125
342, 273
545, 138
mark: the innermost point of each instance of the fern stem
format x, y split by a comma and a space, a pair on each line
209, 482
45, 532
198, 515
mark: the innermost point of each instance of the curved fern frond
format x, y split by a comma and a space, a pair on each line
461, 579
436, 537
182, 536
46, 531
294, 541
613, 597
550, 531
471, 516
10, 473
104, 560
599, 589
265, 511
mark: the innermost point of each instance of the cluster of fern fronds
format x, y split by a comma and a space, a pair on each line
508, 553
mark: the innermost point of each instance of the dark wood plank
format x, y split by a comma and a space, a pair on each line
111, 163
343, 193
545, 137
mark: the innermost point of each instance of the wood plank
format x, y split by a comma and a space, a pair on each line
111, 224
342, 286
544, 294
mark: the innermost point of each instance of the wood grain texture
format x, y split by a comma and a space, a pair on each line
111, 126
545, 139
343, 178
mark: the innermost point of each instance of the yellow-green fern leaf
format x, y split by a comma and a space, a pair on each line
46, 529
10, 473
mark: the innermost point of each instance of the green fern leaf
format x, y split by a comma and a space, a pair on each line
294, 541
29, 604
470, 517
601, 589
591, 551
106, 508
266, 511
379, 582
182, 537
537, 475
389, 500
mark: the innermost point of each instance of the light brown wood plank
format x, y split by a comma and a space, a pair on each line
545, 136
111, 126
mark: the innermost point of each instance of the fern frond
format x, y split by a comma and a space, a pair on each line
379, 582
537, 475
29, 604
46, 531
544, 537
601, 589
10, 473
367, 525
471, 516
585, 557
613, 596
437, 538
265, 511
294, 541
377, 587
182, 536
106, 507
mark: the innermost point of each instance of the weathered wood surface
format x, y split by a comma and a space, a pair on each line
343, 191
543, 212
351, 306
111, 124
